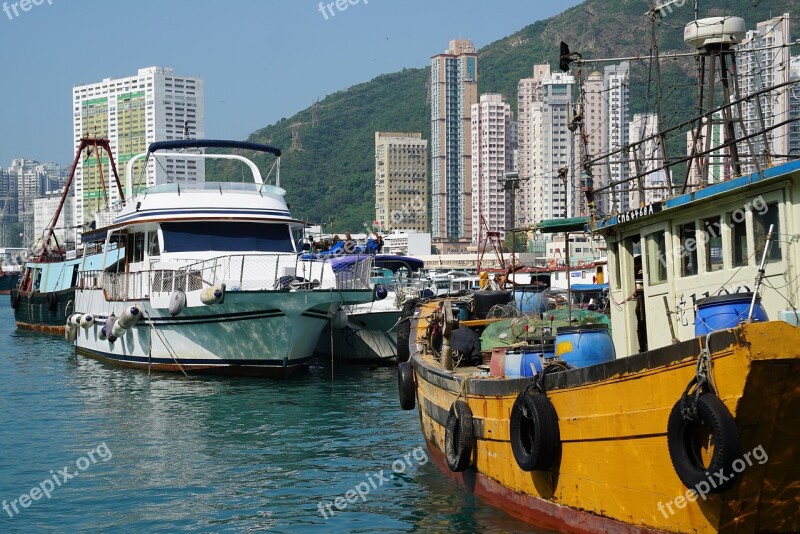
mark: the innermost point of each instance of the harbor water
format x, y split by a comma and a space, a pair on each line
96, 448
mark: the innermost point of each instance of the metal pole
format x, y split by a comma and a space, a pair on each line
760, 275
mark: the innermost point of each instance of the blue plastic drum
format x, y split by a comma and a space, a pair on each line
721, 312
584, 345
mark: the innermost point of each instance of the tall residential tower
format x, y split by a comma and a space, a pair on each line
154, 105
454, 89
401, 181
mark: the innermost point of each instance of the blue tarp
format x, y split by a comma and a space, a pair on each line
385, 261
589, 287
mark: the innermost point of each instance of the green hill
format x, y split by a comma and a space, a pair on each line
331, 179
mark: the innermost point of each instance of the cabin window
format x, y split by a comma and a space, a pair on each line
762, 219
656, 244
687, 234
712, 233
227, 236
737, 221
152, 244
135, 247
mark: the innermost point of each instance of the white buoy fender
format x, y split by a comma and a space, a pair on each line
102, 335
340, 319
75, 319
87, 321
109, 328
70, 330
130, 316
71, 333
211, 295
177, 302
118, 330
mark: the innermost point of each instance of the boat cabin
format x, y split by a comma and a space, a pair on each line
665, 257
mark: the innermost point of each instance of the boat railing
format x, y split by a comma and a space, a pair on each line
243, 272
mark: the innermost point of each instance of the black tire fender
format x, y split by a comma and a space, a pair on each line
405, 386
459, 437
684, 442
403, 337
535, 437
52, 301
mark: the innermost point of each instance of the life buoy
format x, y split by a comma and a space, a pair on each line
14, 294
687, 436
535, 438
405, 386
459, 438
52, 301
553, 264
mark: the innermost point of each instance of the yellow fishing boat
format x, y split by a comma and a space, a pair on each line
684, 418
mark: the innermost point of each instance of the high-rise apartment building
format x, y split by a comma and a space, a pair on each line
529, 96
8, 205
401, 181
454, 89
595, 115
492, 157
645, 157
615, 79
553, 191
154, 105
764, 60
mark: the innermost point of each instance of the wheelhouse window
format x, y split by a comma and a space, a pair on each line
656, 244
763, 217
135, 247
737, 221
152, 244
712, 240
227, 236
687, 234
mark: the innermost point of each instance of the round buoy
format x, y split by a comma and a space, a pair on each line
75, 319
340, 319
211, 295
87, 321
177, 302
381, 293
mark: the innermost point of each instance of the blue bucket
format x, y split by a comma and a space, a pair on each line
584, 345
726, 311
521, 363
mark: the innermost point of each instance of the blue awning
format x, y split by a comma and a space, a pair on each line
589, 287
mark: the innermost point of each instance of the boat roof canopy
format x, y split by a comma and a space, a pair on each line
555, 226
386, 261
212, 143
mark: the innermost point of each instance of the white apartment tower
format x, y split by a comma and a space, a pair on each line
154, 105
647, 152
529, 96
615, 79
764, 60
553, 193
492, 157
401, 181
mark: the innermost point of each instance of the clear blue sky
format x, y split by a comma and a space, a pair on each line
261, 59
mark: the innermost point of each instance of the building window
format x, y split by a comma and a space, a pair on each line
712, 231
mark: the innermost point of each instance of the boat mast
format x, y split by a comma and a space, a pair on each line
86, 142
